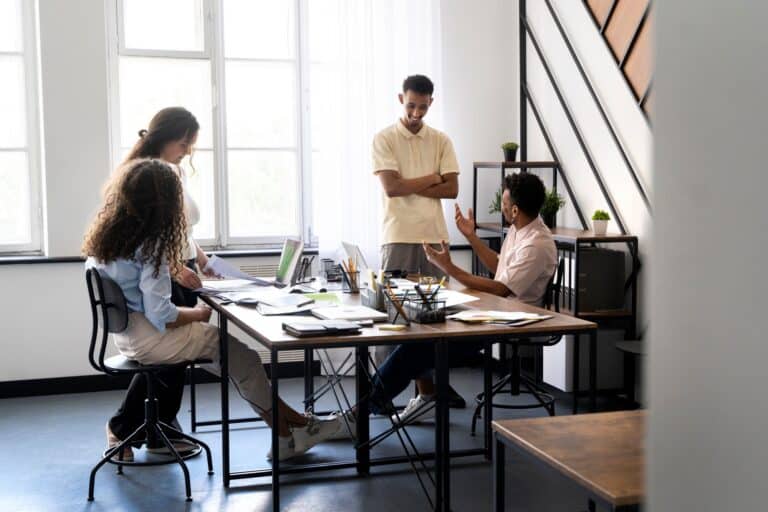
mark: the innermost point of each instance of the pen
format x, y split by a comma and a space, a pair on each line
424, 298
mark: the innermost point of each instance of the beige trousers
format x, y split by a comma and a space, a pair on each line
142, 342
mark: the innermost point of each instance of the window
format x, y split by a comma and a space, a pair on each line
235, 64
20, 216
289, 94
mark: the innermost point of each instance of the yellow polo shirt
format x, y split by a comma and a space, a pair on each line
413, 218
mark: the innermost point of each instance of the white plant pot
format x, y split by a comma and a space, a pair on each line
599, 226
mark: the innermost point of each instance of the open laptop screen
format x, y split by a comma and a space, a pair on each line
289, 259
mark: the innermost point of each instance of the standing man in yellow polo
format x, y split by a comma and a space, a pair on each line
417, 167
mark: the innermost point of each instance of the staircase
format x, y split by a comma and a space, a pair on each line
627, 30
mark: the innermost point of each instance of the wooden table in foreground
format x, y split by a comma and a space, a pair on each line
603, 453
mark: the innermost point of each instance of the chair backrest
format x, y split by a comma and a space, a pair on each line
552, 295
108, 309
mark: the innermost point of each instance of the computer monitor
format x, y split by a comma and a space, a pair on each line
354, 253
289, 260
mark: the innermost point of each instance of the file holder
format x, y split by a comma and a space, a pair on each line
425, 312
330, 270
373, 299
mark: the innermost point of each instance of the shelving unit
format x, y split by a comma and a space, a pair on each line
570, 243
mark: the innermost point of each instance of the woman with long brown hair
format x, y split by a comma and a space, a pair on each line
136, 240
170, 136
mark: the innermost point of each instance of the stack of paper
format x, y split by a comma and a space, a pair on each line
508, 317
450, 297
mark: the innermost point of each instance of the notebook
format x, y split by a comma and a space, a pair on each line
325, 328
349, 313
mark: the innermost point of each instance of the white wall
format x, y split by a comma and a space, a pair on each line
480, 108
632, 130
45, 319
707, 437
75, 121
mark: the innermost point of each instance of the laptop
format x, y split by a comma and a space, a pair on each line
286, 268
356, 255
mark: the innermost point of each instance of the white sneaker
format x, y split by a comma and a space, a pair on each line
418, 409
286, 447
317, 430
347, 429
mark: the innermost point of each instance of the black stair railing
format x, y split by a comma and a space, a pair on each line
598, 103
526, 30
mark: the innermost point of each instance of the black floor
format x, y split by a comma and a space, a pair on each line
49, 444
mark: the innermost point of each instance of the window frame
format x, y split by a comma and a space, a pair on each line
213, 52
30, 62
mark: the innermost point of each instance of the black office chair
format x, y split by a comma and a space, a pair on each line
108, 308
514, 379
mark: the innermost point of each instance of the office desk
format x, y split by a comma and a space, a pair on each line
269, 333
603, 453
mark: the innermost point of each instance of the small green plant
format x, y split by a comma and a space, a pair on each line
601, 215
495, 206
511, 146
552, 203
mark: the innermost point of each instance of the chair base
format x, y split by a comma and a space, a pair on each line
543, 398
161, 430
158, 459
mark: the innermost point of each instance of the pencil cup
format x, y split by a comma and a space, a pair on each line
395, 315
350, 282
373, 299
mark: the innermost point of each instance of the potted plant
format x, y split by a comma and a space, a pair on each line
495, 206
510, 151
552, 203
600, 222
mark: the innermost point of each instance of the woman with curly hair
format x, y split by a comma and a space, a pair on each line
170, 136
137, 240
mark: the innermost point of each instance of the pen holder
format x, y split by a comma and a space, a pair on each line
425, 312
395, 314
373, 299
350, 282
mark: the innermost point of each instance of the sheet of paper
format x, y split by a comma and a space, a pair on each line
221, 267
219, 286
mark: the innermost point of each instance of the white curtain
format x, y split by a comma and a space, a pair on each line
361, 50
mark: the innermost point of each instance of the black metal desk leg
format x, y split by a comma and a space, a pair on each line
192, 399
442, 439
273, 374
363, 389
499, 478
309, 381
224, 363
487, 394
575, 372
592, 371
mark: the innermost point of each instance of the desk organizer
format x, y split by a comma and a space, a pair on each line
373, 299
416, 310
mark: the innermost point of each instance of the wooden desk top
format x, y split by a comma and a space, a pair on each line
268, 330
603, 452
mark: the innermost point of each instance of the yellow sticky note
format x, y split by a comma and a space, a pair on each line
392, 327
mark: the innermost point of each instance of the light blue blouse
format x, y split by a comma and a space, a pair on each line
143, 292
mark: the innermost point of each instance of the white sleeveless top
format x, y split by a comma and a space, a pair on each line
192, 214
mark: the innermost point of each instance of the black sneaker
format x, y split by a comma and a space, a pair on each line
455, 400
